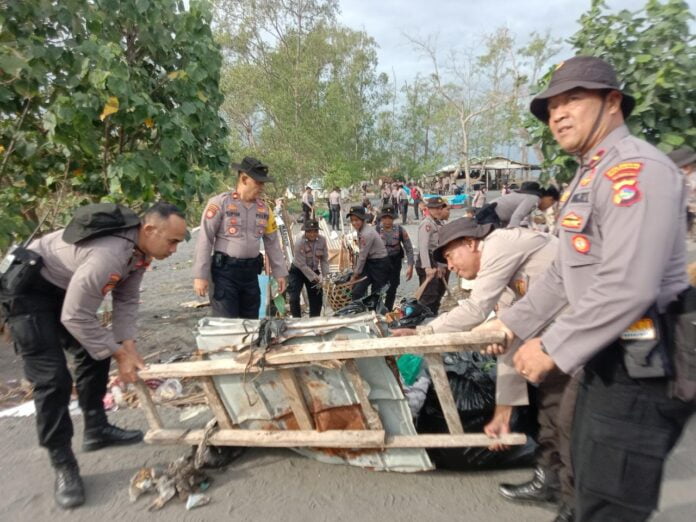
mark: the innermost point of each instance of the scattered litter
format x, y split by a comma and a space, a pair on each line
142, 482
166, 490
192, 412
196, 500
195, 304
169, 390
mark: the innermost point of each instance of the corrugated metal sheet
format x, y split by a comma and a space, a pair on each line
258, 401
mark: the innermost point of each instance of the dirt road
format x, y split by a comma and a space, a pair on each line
265, 485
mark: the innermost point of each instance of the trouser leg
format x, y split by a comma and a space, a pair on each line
295, 281
224, 299
394, 279
315, 297
565, 427
378, 273
433, 292
91, 377
623, 430
415, 211
549, 397
360, 289
250, 294
39, 343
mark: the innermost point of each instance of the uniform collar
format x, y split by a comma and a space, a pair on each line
610, 140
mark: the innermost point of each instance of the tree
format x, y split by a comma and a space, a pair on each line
653, 52
104, 100
302, 92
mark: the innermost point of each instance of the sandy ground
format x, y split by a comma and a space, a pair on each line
266, 484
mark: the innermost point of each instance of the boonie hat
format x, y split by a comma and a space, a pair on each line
436, 202
388, 212
311, 224
530, 187
257, 170
358, 211
457, 229
586, 72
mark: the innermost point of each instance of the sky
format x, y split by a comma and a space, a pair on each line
461, 23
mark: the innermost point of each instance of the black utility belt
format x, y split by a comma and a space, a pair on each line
221, 260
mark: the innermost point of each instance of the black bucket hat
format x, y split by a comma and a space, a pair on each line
257, 170
387, 212
530, 187
457, 229
586, 72
98, 219
358, 211
683, 156
436, 202
311, 224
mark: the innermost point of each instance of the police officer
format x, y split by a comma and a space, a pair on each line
311, 255
685, 159
231, 227
622, 258
513, 209
372, 267
501, 262
308, 204
398, 244
426, 268
57, 312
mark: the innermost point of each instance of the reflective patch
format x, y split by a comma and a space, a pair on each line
581, 244
624, 170
271, 225
113, 281
642, 330
211, 211
572, 220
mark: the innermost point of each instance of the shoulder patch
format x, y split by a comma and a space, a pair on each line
624, 170
211, 211
114, 278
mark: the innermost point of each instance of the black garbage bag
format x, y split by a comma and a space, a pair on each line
472, 379
373, 301
414, 314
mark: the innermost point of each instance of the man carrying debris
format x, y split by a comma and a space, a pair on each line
431, 275
311, 254
398, 244
499, 261
104, 249
232, 225
372, 267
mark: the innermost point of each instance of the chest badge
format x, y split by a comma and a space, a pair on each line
232, 230
565, 196
572, 220
587, 179
581, 244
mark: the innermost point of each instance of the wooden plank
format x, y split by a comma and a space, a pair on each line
215, 403
444, 392
371, 416
151, 414
328, 439
329, 350
296, 399
452, 441
273, 439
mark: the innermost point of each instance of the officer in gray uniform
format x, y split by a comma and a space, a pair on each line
514, 208
427, 269
398, 244
501, 261
232, 225
57, 312
621, 262
311, 254
372, 264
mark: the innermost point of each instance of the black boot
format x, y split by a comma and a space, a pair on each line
544, 487
100, 434
69, 491
566, 513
